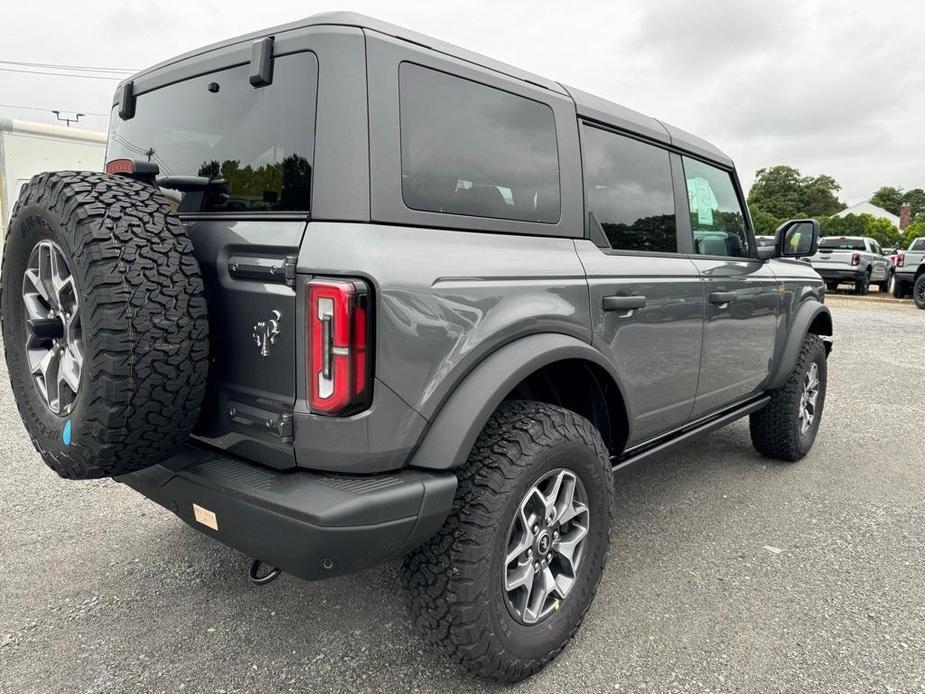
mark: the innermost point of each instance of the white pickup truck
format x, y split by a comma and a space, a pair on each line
855, 259
910, 272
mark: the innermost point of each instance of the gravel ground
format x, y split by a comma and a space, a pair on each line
728, 572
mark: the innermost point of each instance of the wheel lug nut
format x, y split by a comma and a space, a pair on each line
549, 557
536, 528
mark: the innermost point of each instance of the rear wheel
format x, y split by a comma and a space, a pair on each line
918, 291
503, 586
786, 427
104, 323
884, 286
862, 285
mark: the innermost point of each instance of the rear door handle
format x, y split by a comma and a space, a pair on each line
623, 303
722, 297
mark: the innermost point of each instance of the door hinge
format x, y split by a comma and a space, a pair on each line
289, 269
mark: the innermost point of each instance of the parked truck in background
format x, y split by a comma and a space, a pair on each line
27, 149
910, 272
855, 259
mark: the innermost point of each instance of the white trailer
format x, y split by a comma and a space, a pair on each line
28, 148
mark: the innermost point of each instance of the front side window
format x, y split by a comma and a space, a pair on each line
629, 191
260, 141
717, 220
470, 149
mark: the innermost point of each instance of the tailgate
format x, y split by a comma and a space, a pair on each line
249, 272
832, 259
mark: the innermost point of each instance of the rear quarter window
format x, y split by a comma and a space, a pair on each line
259, 140
471, 149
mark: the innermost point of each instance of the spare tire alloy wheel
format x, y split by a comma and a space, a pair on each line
53, 333
104, 323
545, 543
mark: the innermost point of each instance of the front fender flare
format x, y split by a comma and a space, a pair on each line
806, 314
453, 432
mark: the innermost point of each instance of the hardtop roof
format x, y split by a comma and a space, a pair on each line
587, 105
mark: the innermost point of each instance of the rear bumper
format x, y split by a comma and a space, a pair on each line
830, 275
308, 524
906, 276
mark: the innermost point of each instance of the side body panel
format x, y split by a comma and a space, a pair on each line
444, 301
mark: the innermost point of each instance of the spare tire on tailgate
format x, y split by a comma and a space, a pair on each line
104, 323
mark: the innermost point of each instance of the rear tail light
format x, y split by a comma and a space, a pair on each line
900, 260
855, 258
117, 166
339, 372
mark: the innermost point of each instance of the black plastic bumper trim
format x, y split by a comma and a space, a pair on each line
308, 524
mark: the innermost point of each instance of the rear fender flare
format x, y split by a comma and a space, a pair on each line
453, 431
806, 314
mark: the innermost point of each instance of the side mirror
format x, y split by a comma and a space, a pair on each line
797, 238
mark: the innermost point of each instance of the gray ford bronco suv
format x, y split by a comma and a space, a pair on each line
347, 294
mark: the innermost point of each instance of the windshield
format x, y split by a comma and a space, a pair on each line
842, 244
259, 140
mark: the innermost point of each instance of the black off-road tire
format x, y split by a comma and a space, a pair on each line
775, 429
458, 601
832, 286
884, 286
918, 291
862, 286
143, 322
899, 288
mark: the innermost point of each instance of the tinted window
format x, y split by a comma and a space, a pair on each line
917, 245
716, 215
219, 125
842, 243
475, 150
629, 191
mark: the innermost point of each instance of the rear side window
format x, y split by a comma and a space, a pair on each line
842, 244
717, 219
259, 140
918, 245
629, 191
470, 149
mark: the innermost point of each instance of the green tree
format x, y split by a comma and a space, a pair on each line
916, 198
861, 225
888, 198
765, 223
912, 232
782, 192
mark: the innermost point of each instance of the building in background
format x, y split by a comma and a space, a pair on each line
29, 148
874, 211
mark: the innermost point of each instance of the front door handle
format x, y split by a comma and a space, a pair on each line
623, 303
722, 297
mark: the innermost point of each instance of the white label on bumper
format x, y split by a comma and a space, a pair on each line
205, 516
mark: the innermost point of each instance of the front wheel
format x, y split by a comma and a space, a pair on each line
786, 427
504, 585
918, 292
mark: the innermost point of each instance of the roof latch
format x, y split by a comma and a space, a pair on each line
261, 73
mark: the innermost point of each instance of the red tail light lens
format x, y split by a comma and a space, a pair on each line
855, 258
117, 166
338, 338
900, 260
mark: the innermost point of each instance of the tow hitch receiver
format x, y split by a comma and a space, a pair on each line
255, 577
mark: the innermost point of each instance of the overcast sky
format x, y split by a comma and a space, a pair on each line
828, 87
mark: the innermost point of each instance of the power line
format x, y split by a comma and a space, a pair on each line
60, 74
79, 68
49, 110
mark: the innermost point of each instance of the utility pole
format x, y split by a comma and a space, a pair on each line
68, 119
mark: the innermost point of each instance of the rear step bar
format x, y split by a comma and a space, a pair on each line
634, 455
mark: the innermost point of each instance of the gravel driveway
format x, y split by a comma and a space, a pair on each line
728, 572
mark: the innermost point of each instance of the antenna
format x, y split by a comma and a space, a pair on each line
68, 119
